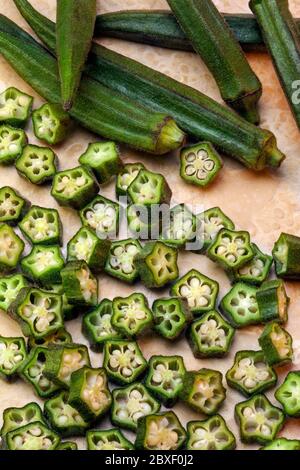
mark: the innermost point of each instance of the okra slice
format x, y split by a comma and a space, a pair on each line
231, 249
79, 284
149, 188
33, 436
42, 226
143, 222
12, 142
210, 336
203, 390
259, 421
240, 306
131, 403
210, 434
288, 394
273, 301
60, 338
110, 439
11, 248
277, 344
12, 206
102, 216
161, 431
131, 315
74, 188
200, 164
283, 444
157, 264
67, 445
89, 393
37, 164
123, 361
120, 260
51, 123
165, 378
103, 158
69, 311
171, 316
286, 254
43, 264
15, 107
250, 373
10, 286
12, 356
126, 177
209, 224
14, 418
199, 291
63, 418
256, 271
180, 228
86, 246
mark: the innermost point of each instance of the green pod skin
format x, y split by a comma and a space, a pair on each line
12, 206
180, 228
12, 142
69, 311
10, 286
200, 164
101, 215
211, 429
240, 306
281, 36
231, 249
131, 315
68, 445
15, 107
110, 439
209, 223
57, 409
86, 246
79, 284
286, 254
38, 165
59, 338
51, 123
42, 226
14, 418
288, 394
149, 188
13, 247
144, 223
120, 260
171, 317
126, 177
12, 356
277, 344
26, 438
256, 271
283, 444
43, 264
273, 302
131, 366
103, 158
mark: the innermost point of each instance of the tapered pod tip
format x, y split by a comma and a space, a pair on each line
171, 137
274, 156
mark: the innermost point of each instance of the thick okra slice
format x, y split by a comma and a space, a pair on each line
277, 344
12, 206
180, 227
103, 158
123, 361
149, 188
86, 246
102, 216
250, 373
37, 164
43, 264
130, 404
157, 264
288, 394
240, 306
259, 421
256, 271
63, 418
67, 445
15, 107
203, 390
200, 164
143, 222
60, 338
42, 226
165, 378
231, 249
110, 439
210, 434
210, 336
12, 142
171, 316
286, 254
12, 356
273, 302
11, 248
74, 188
209, 224
120, 260
14, 418
33, 436
10, 286
126, 177
69, 311
79, 284
283, 444
51, 123
89, 393
161, 431
200, 291
131, 315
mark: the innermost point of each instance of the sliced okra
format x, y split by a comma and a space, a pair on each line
69, 311
12, 206
126, 177
149, 188
250, 373
123, 361
165, 378
210, 434
43, 264
273, 301
277, 344
143, 222
256, 271
11, 248
74, 188
110, 439
210, 336
42, 226
180, 228
231, 249
79, 284
102, 216
15, 107
283, 444
12, 356
10, 286
14, 418
161, 431
240, 306
131, 315
12, 142
200, 291
37, 164
63, 418
120, 260
86, 246
51, 123
259, 421
103, 158
67, 445
286, 254
157, 264
33, 436
209, 224
203, 390
200, 164
171, 316
288, 394
130, 404
60, 338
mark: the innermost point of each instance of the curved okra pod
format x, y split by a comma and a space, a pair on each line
231, 249
12, 356
59, 338
210, 434
277, 344
170, 316
101, 215
161, 431
286, 254
43, 264
33, 436
126, 176
15, 107
10, 286
103, 158
149, 188
14, 418
283, 444
36, 164
51, 124
240, 306
273, 301
120, 262
123, 361
12, 247
79, 284
200, 164
12, 142
288, 394
63, 418
208, 225
86, 246
42, 226
180, 228
108, 440
12, 206
131, 315
255, 271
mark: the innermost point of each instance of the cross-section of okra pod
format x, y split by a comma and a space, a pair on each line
63, 418
10, 286
149, 188
11, 248
210, 434
37, 164
180, 227
273, 301
67, 445
12, 206
110, 439
12, 356
282, 444
60, 337
42, 226
161, 431
43, 264
170, 316
277, 344
51, 123
12, 142
79, 284
131, 315
123, 361
15, 107
286, 254
14, 418
231, 249
69, 311
102, 215
208, 225
288, 394
240, 306
200, 164
126, 177
120, 261
103, 158
143, 222
33, 436
256, 271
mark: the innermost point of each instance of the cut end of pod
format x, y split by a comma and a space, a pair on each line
171, 137
246, 106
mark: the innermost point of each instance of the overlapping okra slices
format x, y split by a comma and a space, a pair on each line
51, 123
37, 164
240, 306
288, 394
282, 444
12, 142
200, 291
67, 445
170, 316
42, 226
12, 356
210, 336
161, 431
209, 224
33, 436
210, 434
149, 188
102, 216
126, 177
43, 264
15, 107
277, 344
110, 439
131, 403
69, 311
79, 284
63, 418
259, 421
123, 361
255, 271
131, 315
86, 246
231, 249
200, 164
10, 286
286, 254
11, 248
120, 261
12, 206
103, 158
180, 227
273, 301
60, 337
14, 418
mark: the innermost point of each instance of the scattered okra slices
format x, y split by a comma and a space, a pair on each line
63, 418
12, 142
43, 264
277, 344
102, 216
288, 394
103, 158
12, 206
180, 228
131, 315
15, 107
10, 286
126, 177
51, 123
110, 439
283, 444
60, 337
286, 254
42, 226
200, 164
231, 249
120, 261
170, 317
14, 418
37, 164
255, 271
11, 248
33, 436
209, 224
12, 356
273, 302
149, 188
240, 306
210, 434
123, 361
79, 284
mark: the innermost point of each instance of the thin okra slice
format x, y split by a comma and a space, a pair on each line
110, 439
149, 188
200, 164
209, 223
170, 316
37, 164
42, 226
67, 445
283, 444
10, 286
259, 421
286, 254
79, 284
131, 315
15, 107
86, 246
250, 373
43, 264
131, 403
210, 336
69, 311
120, 260
33, 436
165, 378
231, 249
12, 206
277, 344
51, 123
12, 142
123, 361
180, 227
200, 291
256, 271
203, 390
14, 418
102, 215
210, 434
60, 338
273, 301
126, 177
288, 394
12, 356
240, 306
11, 248
144, 222
63, 418
103, 158
162, 431
74, 188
